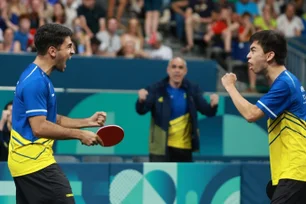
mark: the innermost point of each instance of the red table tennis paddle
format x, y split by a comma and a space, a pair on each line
110, 135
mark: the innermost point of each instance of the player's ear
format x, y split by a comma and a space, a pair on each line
52, 51
270, 55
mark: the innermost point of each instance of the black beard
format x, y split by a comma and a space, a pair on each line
57, 69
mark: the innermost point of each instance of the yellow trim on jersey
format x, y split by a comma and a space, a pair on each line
26, 157
24, 141
287, 139
179, 133
291, 121
69, 195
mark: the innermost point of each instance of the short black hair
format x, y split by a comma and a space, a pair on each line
50, 34
7, 105
274, 41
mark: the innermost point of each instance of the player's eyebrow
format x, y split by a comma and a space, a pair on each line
69, 45
253, 48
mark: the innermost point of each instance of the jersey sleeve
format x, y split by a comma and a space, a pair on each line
35, 95
276, 100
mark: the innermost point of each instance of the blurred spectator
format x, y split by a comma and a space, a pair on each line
5, 129
266, 21
299, 7
59, 14
165, 12
282, 5
179, 7
90, 14
136, 7
15, 9
6, 19
159, 50
71, 13
3, 14
81, 39
274, 6
231, 32
8, 44
290, 24
128, 50
152, 13
72, 3
22, 35
95, 44
102, 25
246, 28
224, 4
40, 13
110, 40
197, 16
134, 33
237, 36
120, 9
218, 26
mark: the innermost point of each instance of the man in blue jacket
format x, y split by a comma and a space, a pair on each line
174, 102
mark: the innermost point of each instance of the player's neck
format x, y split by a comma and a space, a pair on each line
274, 71
45, 64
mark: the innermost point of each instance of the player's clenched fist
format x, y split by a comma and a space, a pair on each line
229, 80
97, 119
142, 95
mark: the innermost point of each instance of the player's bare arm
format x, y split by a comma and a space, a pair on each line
45, 129
249, 111
96, 120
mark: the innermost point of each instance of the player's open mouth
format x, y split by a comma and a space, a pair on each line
250, 65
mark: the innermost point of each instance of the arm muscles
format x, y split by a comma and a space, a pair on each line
45, 129
249, 111
70, 122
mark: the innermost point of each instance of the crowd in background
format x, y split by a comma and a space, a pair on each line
136, 28
99, 29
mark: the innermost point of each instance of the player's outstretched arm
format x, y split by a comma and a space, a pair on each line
249, 111
43, 128
96, 120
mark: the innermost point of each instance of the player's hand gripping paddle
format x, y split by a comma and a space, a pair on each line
110, 135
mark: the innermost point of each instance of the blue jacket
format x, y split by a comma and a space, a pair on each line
158, 102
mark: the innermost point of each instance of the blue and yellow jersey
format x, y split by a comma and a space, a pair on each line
179, 133
34, 96
285, 105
